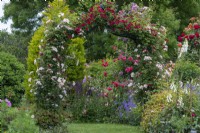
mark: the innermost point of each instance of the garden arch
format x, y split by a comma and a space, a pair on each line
51, 82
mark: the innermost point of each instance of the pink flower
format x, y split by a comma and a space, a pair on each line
129, 69
130, 58
193, 114
123, 58
136, 62
109, 88
197, 35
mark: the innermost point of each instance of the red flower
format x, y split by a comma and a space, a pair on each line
180, 39
111, 23
187, 37
197, 34
191, 36
196, 26
78, 30
116, 84
104, 64
105, 74
182, 34
109, 88
129, 69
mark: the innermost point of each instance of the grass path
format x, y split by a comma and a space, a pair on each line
102, 128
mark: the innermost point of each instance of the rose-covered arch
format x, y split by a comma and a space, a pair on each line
51, 84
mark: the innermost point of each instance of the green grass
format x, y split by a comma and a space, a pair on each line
102, 128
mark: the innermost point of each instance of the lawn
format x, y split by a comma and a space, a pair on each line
103, 128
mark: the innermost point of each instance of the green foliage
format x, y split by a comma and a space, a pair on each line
23, 123
152, 110
186, 70
10, 43
93, 109
24, 14
76, 68
7, 114
169, 111
11, 78
99, 45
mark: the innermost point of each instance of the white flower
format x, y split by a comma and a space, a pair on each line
62, 47
29, 80
180, 102
130, 84
38, 82
61, 82
72, 35
54, 59
167, 73
147, 58
137, 56
31, 91
41, 68
74, 83
61, 96
49, 70
32, 116
159, 66
132, 74
35, 62
65, 20
145, 86
173, 86
31, 73
62, 65
136, 50
61, 14
53, 78
169, 98
54, 49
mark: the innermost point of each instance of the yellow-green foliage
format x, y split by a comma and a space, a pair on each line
54, 15
154, 107
76, 61
158, 108
33, 53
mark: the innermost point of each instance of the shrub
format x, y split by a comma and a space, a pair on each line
186, 70
170, 111
7, 114
76, 65
23, 123
11, 78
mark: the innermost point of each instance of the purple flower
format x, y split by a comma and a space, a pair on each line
84, 80
134, 7
1, 100
9, 104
